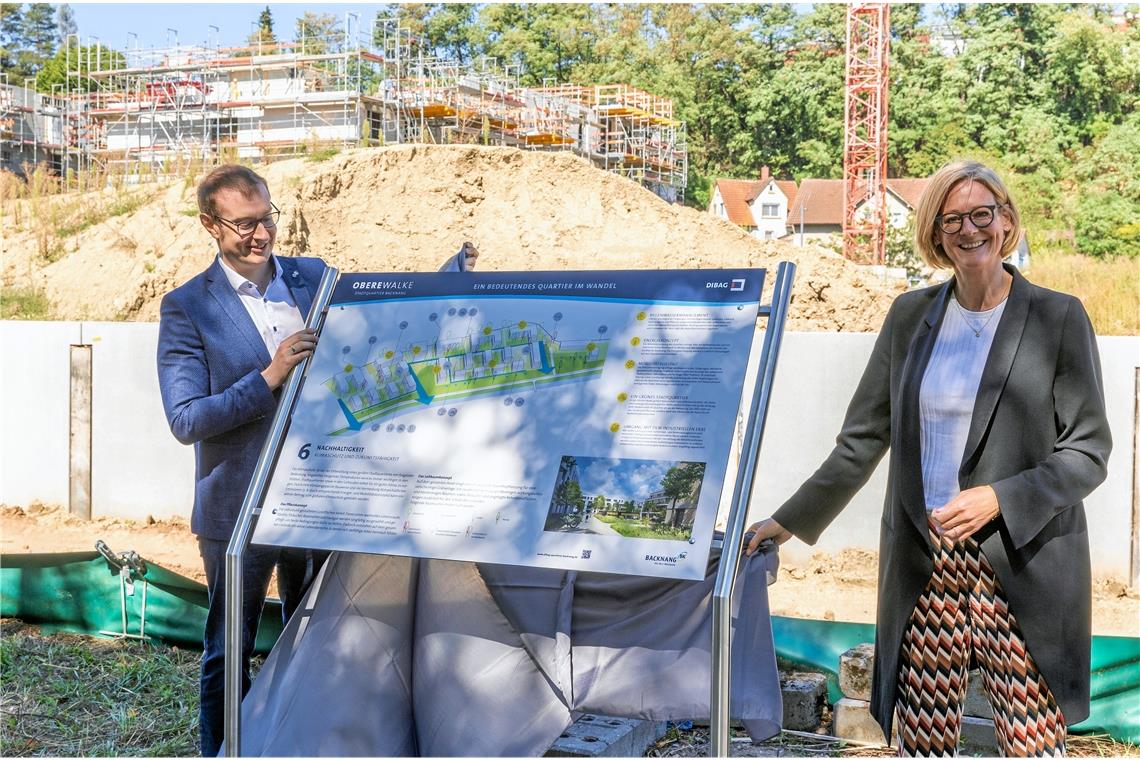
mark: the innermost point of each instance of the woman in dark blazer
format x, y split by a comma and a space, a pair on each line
987, 391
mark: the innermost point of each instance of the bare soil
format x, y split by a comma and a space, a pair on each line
831, 587
406, 208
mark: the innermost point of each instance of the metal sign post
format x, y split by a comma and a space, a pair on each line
250, 509
719, 700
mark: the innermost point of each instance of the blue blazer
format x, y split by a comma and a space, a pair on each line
210, 358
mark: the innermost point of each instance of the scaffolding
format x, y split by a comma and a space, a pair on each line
30, 129
154, 110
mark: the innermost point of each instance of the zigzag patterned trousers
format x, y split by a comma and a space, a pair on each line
963, 611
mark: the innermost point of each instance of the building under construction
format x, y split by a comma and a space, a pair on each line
155, 110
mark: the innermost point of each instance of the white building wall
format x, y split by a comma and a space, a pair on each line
773, 225
139, 469
716, 205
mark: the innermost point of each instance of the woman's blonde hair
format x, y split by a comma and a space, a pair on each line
930, 204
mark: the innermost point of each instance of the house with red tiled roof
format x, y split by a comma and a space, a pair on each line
760, 206
812, 210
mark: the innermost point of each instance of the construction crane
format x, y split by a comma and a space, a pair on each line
865, 133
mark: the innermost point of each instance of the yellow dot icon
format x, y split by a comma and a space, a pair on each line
630, 364
487, 330
522, 324
635, 341
623, 397
348, 368
614, 427
416, 350
389, 354
641, 315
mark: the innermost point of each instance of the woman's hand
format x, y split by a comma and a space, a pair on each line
967, 513
766, 529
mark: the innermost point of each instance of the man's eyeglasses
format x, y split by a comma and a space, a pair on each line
981, 217
247, 227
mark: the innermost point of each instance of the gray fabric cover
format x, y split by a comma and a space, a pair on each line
392, 656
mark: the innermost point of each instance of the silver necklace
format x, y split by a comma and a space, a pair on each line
976, 330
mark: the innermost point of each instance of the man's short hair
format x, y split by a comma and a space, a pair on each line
228, 177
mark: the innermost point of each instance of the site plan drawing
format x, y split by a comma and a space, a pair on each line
579, 420
489, 361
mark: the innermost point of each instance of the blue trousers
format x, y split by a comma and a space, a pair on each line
296, 569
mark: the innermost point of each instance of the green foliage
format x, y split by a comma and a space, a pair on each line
319, 33
28, 37
263, 40
24, 303
74, 62
1108, 214
316, 155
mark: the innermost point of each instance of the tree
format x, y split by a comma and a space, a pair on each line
65, 22
319, 33
682, 482
1108, 214
28, 37
75, 61
40, 31
1091, 84
11, 41
547, 41
263, 41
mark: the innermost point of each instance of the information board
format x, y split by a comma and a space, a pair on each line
578, 420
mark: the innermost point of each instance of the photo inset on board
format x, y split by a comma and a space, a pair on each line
634, 498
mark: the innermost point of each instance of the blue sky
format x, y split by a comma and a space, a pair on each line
118, 24
620, 478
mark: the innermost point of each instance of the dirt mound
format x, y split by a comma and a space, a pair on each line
406, 208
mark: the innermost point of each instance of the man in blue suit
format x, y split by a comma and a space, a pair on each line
227, 341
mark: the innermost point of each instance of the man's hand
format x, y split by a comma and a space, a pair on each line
469, 253
766, 529
289, 354
966, 513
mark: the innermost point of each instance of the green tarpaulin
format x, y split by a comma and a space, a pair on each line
81, 592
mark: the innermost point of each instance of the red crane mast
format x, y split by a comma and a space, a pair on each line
865, 133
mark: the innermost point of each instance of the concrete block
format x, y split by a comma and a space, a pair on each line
977, 704
978, 738
603, 736
804, 695
856, 667
851, 719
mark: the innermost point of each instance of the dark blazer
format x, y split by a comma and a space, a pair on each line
1039, 436
210, 358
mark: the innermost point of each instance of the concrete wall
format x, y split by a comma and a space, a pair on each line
139, 469
815, 377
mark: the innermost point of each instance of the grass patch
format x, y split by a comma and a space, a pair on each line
98, 212
1109, 288
68, 695
24, 303
317, 155
636, 529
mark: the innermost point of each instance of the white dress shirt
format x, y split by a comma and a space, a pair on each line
274, 313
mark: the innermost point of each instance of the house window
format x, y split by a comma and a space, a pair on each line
767, 234
769, 210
